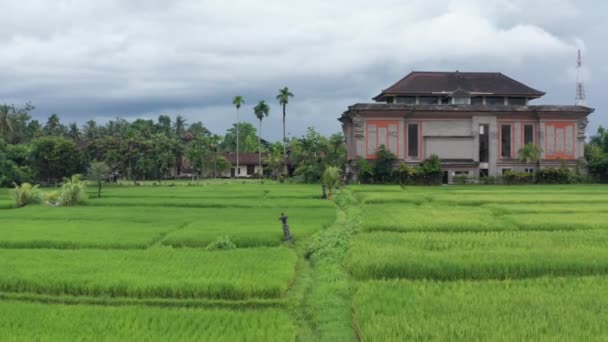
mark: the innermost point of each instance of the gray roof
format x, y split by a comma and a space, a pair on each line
438, 83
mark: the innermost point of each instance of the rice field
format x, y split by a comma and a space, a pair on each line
461, 263
545, 309
481, 263
158, 272
43, 322
134, 264
484, 255
142, 227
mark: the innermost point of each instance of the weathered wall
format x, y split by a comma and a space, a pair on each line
449, 147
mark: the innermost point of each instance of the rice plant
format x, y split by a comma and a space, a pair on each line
544, 309
157, 272
491, 255
56, 322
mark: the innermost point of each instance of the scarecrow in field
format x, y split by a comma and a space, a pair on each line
286, 232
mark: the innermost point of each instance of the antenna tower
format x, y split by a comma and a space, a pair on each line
580, 88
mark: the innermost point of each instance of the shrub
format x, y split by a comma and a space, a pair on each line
463, 179
72, 191
431, 171
222, 242
25, 194
52, 197
552, 175
331, 179
490, 180
516, 177
365, 172
383, 165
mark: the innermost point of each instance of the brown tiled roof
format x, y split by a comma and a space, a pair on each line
245, 158
437, 83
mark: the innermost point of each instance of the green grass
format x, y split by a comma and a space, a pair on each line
545, 309
43, 322
158, 272
492, 255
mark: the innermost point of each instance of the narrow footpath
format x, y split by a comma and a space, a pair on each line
321, 295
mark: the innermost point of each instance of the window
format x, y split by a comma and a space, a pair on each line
428, 100
406, 99
529, 170
505, 139
381, 132
477, 100
484, 173
446, 100
528, 134
390, 99
461, 100
412, 140
484, 143
250, 170
495, 100
517, 101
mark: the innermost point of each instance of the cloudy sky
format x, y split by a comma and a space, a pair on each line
101, 59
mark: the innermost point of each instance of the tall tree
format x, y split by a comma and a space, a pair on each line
6, 120
180, 126
74, 131
248, 138
164, 124
261, 111
54, 157
238, 101
98, 172
283, 98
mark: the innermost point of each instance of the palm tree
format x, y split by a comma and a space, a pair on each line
331, 180
6, 120
261, 111
529, 153
180, 127
283, 98
237, 102
74, 132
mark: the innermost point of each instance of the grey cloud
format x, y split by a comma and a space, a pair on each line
102, 59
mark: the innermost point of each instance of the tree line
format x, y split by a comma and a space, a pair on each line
146, 149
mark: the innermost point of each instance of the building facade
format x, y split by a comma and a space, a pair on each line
475, 122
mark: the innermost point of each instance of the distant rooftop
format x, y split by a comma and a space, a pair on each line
432, 83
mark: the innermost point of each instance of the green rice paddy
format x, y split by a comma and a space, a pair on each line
385, 263
481, 263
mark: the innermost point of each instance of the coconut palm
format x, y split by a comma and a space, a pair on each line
283, 98
238, 101
6, 120
261, 111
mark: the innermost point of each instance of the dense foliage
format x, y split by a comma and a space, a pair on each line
149, 149
596, 153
